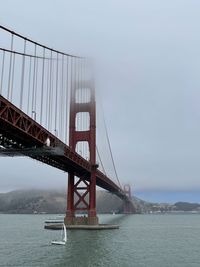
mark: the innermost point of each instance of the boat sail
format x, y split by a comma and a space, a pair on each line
64, 240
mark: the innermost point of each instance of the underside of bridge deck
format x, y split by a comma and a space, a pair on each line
20, 135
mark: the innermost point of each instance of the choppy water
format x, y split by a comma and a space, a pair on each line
142, 240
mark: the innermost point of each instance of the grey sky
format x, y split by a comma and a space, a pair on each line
147, 68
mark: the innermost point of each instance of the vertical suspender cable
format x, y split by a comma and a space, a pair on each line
9, 75
75, 91
22, 76
83, 89
12, 79
52, 96
87, 149
33, 87
80, 87
62, 99
50, 88
71, 86
60, 96
42, 87
101, 161
47, 94
2, 72
29, 84
113, 162
36, 85
56, 96
67, 101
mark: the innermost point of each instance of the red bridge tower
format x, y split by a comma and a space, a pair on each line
128, 205
81, 191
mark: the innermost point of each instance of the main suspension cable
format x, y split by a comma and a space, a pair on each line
36, 43
104, 171
109, 145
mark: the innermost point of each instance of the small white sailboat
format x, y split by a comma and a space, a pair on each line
64, 239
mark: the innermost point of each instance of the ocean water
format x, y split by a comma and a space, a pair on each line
142, 241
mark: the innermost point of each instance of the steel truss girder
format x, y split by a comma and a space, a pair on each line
17, 125
26, 133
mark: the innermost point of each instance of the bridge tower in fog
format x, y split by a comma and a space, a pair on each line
81, 194
128, 207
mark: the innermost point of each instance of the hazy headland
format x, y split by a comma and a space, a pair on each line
54, 202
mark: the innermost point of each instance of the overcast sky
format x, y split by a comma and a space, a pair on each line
147, 55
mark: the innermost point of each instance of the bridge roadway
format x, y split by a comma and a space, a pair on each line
21, 135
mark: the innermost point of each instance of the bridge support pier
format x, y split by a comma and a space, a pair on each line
81, 197
81, 220
128, 208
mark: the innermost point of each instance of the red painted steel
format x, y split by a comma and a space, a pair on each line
21, 135
27, 133
83, 197
21, 132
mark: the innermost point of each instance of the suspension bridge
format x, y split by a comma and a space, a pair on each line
48, 113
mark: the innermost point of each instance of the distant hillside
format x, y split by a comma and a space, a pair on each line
39, 201
30, 201
185, 206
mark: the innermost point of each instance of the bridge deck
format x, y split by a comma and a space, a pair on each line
21, 135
